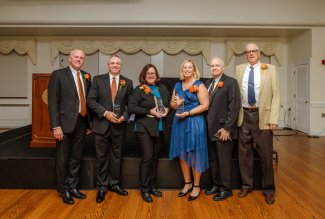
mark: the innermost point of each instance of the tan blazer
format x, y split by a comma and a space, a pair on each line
269, 97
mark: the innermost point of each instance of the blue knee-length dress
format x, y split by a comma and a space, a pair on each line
189, 135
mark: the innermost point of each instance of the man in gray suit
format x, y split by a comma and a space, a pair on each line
222, 128
67, 92
258, 116
108, 98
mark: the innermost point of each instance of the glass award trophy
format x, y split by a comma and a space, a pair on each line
160, 105
181, 108
117, 109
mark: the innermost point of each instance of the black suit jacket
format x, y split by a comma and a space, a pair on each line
224, 107
63, 99
141, 103
100, 100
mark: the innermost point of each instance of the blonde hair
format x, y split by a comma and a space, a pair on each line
196, 73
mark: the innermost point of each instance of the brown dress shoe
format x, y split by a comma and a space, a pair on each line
244, 192
269, 199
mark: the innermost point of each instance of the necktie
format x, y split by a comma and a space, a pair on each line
114, 88
251, 91
212, 87
83, 109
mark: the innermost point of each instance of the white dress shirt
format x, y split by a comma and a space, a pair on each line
257, 80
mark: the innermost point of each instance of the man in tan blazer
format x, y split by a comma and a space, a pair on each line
258, 117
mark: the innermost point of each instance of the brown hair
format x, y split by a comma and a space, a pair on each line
142, 76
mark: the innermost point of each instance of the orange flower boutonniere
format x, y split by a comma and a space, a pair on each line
145, 88
264, 66
194, 89
220, 84
86, 76
122, 83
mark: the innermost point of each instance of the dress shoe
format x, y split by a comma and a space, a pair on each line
155, 192
213, 190
244, 192
100, 196
192, 198
146, 197
221, 196
119, 190
77, 194
181, 194
269, 198
67, 198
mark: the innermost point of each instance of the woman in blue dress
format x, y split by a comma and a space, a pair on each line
189, 135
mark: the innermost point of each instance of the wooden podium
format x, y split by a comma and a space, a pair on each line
42, 136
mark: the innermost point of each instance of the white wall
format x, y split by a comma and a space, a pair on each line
225, 12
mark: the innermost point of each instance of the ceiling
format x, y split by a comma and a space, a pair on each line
125, 30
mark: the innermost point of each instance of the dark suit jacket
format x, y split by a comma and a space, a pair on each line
141, 103
100, 100
224, 107
63, 99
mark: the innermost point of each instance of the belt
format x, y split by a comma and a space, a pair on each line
251, 109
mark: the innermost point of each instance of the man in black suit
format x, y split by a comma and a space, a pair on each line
67, 91
222, 128
108, 99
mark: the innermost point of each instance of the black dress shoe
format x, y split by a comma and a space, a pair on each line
100, 196
181, 194
213, 190
221, 196
244, 192
119, 190
77, 194
155, 192
192, 198
67, 198
146, 197
269, 198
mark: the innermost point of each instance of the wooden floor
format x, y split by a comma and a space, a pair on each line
300, 184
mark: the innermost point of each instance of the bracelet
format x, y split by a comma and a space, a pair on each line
189, 113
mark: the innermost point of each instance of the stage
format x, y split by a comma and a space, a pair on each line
25, 167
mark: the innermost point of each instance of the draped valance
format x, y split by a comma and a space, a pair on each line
269, 48
22, 47
150, 46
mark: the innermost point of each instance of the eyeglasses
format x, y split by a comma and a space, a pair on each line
252, 51
150, 73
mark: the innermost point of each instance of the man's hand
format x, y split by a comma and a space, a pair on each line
110, 116
58, 134
273, 127
224, 135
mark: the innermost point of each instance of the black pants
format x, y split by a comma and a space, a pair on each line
149, 149
108, 159
68, 156
250, 133
220, 161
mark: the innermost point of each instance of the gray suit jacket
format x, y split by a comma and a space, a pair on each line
63, 99
224, 107
100, 100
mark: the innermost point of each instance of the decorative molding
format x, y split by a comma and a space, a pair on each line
267, 47
22, 47
150, 46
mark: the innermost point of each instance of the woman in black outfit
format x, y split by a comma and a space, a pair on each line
148, 102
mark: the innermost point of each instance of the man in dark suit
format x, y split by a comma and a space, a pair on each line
258, 117
67, 91
108, 99
222, 128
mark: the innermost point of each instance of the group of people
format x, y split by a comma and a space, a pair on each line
209, 117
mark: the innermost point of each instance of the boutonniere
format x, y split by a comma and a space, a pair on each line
86, 76
194, 89
122, 83
145, 88
220, 84
264, 66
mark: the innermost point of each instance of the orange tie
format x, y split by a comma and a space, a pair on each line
114, 88
83, 109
